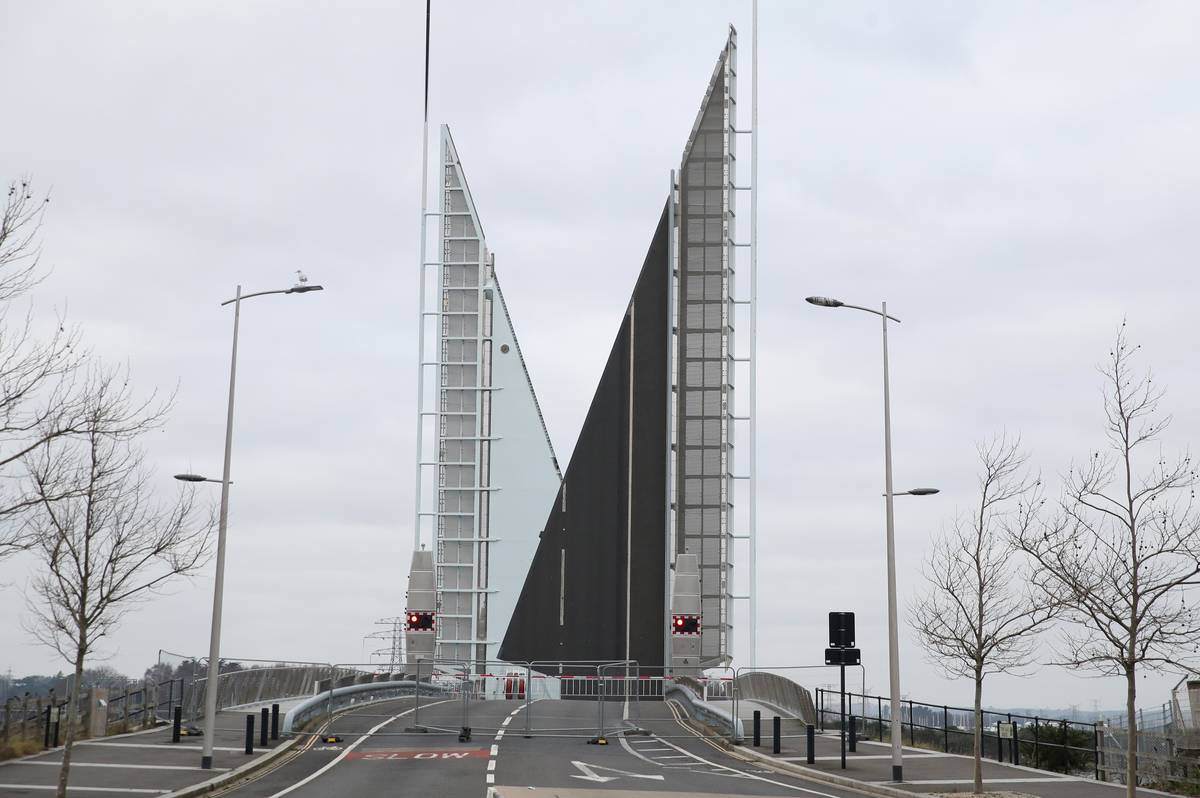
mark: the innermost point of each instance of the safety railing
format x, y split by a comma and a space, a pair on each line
1055, 744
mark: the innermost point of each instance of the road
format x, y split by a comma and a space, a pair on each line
378, 755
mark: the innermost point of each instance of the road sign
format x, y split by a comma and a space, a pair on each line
843, 656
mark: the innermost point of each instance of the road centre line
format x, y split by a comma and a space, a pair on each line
495, 748
329, 766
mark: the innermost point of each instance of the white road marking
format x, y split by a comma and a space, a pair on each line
495, 748
989, 781
491, 778
137, 790
491, 766
857, 757
162, 746
349, 748
741, 773
506, 721
74, 765
590, 774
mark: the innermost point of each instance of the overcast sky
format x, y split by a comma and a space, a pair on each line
1012, 178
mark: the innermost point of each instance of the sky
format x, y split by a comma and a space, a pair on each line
1013, 179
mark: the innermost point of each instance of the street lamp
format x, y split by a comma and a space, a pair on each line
214, 643
889, 494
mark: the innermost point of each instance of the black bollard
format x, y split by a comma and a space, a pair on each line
757, 728
46, 742
250, 734
262, 732
274, 721
811, 743
853, 733
775, 734
176, 724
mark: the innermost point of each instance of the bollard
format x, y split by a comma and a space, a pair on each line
176, 723
274, 721
853, 734
775, 734
810, 743
46, 742
757, 728
262, 732
250, 734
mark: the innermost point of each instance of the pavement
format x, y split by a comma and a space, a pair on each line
140, 763
926, 771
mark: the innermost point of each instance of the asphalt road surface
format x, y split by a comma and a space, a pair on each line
382, 753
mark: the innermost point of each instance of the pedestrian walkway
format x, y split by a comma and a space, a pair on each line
141, 763
929, 771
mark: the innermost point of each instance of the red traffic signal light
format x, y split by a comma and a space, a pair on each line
685, 624
419, 620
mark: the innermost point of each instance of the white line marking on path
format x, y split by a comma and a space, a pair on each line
506, 721
495, 748
74, 765
989, 781
138, 790
160, 746
349, 748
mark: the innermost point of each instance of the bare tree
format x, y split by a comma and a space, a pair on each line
976, 618
1125, 544
39, 399
104, 542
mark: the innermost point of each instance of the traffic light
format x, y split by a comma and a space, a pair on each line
685, 624
419, 620
841, 630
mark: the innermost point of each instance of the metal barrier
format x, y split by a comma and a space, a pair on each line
1059, 745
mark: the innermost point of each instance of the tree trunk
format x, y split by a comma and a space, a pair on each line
978, 733
1131, 742
72, 721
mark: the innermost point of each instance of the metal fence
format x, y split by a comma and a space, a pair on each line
1054, 744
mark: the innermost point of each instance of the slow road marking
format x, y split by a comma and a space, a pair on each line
420, 756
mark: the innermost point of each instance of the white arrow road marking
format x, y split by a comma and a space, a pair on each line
590, 774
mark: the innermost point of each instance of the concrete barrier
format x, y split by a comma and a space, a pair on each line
323, 704
779, 691
719, 718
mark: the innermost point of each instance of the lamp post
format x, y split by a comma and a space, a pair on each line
214, 643
889, 494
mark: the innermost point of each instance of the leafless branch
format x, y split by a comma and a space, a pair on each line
1124, 544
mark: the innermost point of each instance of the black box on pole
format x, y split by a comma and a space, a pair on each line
841, 630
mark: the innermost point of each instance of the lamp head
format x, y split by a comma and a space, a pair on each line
824, 301
190, 478
923, 491
303, 288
